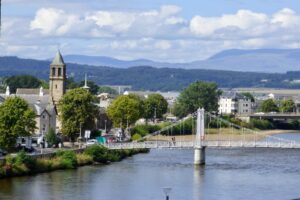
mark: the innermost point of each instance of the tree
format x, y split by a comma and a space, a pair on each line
22, 81
125, 110
51, 137
71, 84
288, 106
248, 95
198, 94
269, 106
77, 111
155, 106
92, 85
16, 119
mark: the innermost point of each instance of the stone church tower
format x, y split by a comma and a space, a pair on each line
57, 80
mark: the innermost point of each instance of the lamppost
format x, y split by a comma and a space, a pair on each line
167, 191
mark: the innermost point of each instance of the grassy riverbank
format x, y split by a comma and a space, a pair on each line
24, 164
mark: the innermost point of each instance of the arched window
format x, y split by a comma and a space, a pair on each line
53, 71
59, 71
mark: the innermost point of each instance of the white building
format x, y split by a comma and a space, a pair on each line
234, 103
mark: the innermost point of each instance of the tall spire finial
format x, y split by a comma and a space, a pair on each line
85, 83
7, 93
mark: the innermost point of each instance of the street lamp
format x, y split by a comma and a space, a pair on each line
167, 191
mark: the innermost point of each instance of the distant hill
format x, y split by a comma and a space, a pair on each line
150, 78
260, 60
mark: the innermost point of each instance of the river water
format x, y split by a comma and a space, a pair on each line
229, 174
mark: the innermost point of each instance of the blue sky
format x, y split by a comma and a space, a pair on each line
162, 30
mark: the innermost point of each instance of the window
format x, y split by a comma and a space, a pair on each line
55, 86
53, 71
43, 116
59, 71
44, 127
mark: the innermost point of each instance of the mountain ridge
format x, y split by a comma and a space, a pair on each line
255, 60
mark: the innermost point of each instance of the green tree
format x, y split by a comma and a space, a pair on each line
288, 106
126, 109
51, 137
269, 105
92, 85
71, 84
16, 119
155, 106
22, 81
76, 110
248, 95
196, 95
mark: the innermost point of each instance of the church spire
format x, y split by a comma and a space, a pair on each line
85, 83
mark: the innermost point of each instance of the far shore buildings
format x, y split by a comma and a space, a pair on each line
44, 101
234, 103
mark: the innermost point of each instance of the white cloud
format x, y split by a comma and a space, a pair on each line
159, 34
243, 19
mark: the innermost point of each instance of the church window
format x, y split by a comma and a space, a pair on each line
53, 71
59, 71
55, 86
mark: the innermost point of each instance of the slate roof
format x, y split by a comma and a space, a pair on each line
58, 59
31, 91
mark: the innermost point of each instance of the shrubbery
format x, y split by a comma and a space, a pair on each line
144, 129
24, 164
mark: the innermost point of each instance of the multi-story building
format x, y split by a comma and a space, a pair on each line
234, 103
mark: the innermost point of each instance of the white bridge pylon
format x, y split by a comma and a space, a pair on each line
200, 129
199, 148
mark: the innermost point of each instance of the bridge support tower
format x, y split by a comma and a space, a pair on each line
199, 147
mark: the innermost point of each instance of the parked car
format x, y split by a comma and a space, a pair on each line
91, 142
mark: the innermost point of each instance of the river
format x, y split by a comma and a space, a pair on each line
229, 174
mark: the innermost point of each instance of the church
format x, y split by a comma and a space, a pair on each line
44, 101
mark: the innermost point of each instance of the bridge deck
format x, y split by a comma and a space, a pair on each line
214, 144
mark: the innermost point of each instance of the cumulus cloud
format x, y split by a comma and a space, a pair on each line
243, 19
158, 34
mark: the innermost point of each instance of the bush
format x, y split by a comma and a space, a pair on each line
27, 160
68, 159
136, 136
97, 152
144, 129
51, 137
84, 159
261, 124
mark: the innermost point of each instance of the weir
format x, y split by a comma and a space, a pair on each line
199, 148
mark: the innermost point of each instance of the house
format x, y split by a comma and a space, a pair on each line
234, 103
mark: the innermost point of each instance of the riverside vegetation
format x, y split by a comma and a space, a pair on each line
23, 164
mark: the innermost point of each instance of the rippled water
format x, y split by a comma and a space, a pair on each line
229, 174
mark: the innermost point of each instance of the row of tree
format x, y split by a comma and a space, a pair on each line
284, 106
127, 109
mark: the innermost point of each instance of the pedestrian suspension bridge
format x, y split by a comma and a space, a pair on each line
226, 135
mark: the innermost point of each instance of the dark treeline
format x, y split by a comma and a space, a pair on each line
149, 78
